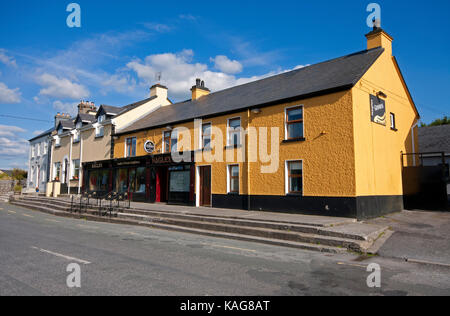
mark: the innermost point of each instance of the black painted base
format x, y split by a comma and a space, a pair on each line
364, 207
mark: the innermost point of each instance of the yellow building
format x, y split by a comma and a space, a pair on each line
326, 139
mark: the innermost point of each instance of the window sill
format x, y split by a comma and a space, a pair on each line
394, 129
295, 140
100, 136
294, 195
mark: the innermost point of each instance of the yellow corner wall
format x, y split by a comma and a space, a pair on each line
378, 148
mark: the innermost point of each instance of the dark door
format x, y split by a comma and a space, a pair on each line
205, 186
151, 190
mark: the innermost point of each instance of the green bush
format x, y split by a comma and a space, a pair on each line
17, 188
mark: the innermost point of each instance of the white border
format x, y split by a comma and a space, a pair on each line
286, 175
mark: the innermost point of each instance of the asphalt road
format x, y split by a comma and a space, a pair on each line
36, 248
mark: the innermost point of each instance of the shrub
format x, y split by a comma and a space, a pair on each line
17, 188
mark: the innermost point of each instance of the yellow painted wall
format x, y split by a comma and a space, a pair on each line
378, 148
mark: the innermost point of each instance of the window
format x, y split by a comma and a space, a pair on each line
45, 148
294, 177
56, 171
233, 179
170, 142
167, 142
294, 123
206, 136
75, 169
76, 137
99, 131
130, 150
32, 151
99, 180
38, 149
60, 131
79, 125
393, 127
101, 118
58, 142
234, 132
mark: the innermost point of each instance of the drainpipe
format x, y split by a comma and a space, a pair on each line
248, 162
81, 163
413, 143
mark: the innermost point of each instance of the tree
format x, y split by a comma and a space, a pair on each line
19, 174
438, 122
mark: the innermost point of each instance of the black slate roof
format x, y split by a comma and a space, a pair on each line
85, 118
46, 133
434, 139
66, 124
323, 78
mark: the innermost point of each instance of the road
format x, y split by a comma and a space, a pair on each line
36, 248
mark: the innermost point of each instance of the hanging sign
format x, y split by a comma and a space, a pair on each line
378, 110
149, 147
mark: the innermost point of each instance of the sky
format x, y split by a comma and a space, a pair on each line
113, 58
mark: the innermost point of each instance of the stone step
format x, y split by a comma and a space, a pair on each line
218, 234
350, 244
328, 231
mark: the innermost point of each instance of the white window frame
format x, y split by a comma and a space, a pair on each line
286, 176
55, 170
79, 125
72, 167
101, 118
99, 131
286, 121
228, 131
57, 141
229, 178
201, 135
393, 120
126, 149
76, 136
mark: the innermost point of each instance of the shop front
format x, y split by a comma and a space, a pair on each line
150, 179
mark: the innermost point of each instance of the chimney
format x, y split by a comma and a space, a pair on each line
86, 107
159, 91
379, 38
61, 117
199, 90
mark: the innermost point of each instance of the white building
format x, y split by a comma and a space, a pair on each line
39, 162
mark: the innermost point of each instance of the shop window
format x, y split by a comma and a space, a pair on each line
121, 180
294, 174
234, 132
56, 171
140, 180
75, 169
233, 179
393, 123
206, 136
180, 179
98, 180
294, 123
130, 150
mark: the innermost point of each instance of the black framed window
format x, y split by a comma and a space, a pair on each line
234, 132
131, 147
393, 122
295, 177
233, 178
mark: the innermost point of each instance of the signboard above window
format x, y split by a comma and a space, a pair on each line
377, 110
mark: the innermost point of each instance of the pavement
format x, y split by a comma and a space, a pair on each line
418, 235
36, 248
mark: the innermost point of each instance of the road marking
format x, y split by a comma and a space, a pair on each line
351, 265
12, 212
28, 215
427, 262
61, 255
235, 248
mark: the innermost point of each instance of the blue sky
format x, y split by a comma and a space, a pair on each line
47, 67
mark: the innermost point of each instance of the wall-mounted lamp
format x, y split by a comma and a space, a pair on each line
381, 94
256, 111
116, 137
169, 128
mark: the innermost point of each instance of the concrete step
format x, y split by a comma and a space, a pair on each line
350, 244
370, 235
218, 234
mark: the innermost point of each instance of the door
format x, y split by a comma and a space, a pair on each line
205, 186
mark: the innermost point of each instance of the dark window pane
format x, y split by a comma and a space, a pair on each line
295, 130
295, 114
295, 185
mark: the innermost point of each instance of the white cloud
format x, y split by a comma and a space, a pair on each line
36, 133
7, 60
179, 73
61, 87
65, 107
160, 28
10, 131
224, 64
8, 96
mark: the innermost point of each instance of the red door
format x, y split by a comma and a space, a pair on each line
205, 186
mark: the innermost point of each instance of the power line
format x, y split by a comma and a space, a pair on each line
24, 118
